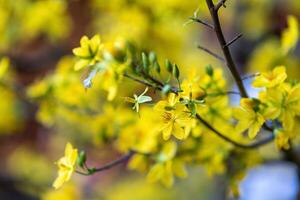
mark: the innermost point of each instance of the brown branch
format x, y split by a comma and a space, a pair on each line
220, 4
229, 61
211, 53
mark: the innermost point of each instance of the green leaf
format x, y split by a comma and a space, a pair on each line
145, 62
156, 67
168, 66
175, 71
166, 89
209, 70
81, 159
152, 57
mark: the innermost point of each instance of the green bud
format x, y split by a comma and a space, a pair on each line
209, 70
166, 89
92, 170
176, 72
152, 57
168, 66
192, 108
156, 66
145, 62
81, 159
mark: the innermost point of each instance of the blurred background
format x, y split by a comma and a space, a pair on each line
43, 103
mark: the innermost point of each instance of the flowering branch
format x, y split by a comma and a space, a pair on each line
208, 125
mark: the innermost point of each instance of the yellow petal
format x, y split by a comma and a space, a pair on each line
290, 35
169, 150
167, 176
81, 64
255, 127
288, 119
71, 153
95, 43
179, 169
167, 131
155, 173
59, 181
178, 132
84, 41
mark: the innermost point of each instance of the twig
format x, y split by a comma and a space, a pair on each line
115, 162
224, 93
233, 40
160, 87
140, 81
250, 76
227, 139
220, 4
108, 165
211, 53
202, 22
229, 61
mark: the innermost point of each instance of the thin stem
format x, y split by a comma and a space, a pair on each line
234, 39
237, 144
229, 61
211, 53
141, 81
202, 22
115, 162
173, 89
250, 76
224, 93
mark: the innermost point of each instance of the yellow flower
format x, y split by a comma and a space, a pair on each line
271, 79
191, 89
174, 118
164, 172
282, 139
214, 81
167, 166
66, 166
89, 52
284, 103
290, 35
249, 117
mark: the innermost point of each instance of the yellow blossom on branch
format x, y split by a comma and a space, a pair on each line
248, 117
66, 166
283, 103
89, 52
271, 79
174, 118
167, 166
